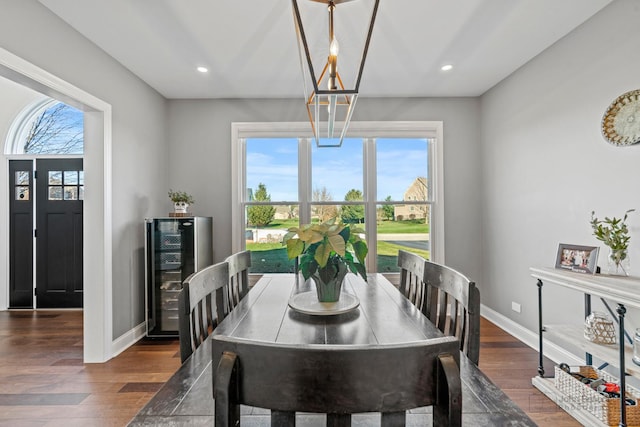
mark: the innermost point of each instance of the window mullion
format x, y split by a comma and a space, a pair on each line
239, 193
370, 192
304, 180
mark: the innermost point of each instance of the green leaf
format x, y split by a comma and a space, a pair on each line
294, 248
362, 271
338, 244
612, 231
290, 234
322, 254
308, 266
361, 250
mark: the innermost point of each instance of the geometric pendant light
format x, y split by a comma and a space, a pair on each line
327, 98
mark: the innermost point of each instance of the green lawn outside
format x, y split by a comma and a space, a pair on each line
272, 257
409, 226
264, 246
384, 248
391, 249
282, 224
270, 260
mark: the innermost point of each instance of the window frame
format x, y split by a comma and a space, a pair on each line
433, 130
21, 125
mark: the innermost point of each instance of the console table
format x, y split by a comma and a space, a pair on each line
625, 292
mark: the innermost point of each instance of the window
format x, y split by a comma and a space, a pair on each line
22, 184
66, 185
47, 127
385, 177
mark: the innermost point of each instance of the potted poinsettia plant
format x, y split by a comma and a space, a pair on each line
325, 252
615, 234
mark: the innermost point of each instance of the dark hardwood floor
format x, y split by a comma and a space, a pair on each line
511, 364
43, 381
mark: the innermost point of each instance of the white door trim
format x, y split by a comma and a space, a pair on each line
97, 226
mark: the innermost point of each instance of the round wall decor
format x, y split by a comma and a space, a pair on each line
621, 121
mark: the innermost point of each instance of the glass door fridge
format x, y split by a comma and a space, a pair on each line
174, 249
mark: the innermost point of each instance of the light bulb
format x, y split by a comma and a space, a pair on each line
334, 47
333, 63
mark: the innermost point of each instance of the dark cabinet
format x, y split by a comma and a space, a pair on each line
174, 249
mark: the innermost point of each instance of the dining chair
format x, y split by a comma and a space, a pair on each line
336, 380
452, 303
412, 285
239, 264
202, 304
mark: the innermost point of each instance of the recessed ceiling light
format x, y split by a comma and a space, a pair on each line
446, 67
202, 69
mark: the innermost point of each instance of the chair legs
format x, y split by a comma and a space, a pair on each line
448, 409
225, 386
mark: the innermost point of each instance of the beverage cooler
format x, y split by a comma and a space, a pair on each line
174, 249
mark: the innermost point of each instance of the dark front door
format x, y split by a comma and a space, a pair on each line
60, 191
21, 233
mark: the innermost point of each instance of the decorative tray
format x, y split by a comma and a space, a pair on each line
307, 303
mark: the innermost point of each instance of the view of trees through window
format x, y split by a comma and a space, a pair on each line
57, 128
274, 202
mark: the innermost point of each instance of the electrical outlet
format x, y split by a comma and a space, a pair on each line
515, 307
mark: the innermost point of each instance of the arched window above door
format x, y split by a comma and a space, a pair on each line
47, 127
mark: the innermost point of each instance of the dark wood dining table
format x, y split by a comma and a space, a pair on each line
383, 316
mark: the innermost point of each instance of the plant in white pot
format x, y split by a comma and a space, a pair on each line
615, 234
325, 256
181, 201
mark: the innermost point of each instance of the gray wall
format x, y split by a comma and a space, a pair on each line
15, 98
200, 152
140, 179
546, 165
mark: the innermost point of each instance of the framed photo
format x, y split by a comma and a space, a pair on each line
582, 259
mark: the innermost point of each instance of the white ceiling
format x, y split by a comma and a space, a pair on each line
250, 46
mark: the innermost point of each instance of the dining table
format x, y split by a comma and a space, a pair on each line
280, 308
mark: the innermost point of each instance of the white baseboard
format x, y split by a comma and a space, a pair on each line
551, 350
128, 339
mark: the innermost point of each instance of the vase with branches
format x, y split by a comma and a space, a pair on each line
614, 233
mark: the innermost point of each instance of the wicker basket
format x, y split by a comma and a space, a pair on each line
604, 408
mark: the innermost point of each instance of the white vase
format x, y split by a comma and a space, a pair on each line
180, 207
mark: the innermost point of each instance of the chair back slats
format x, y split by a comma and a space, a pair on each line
411, 277
202, 304
336, 380
457, 312
239, 264
446, 297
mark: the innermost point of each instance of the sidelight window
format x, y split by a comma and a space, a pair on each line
22, 183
